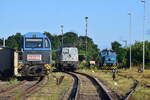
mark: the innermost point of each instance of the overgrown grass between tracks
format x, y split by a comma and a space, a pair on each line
52, 91
12, 81
143, 91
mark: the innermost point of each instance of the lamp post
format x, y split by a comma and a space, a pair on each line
86, 32
62, 32
144, 19
130, 31
4, 44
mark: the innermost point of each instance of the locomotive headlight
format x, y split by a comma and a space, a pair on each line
104, 64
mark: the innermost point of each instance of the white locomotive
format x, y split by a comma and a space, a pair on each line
67, 58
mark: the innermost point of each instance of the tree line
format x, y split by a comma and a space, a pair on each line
123, 53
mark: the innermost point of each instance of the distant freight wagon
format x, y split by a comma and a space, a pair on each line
6, 62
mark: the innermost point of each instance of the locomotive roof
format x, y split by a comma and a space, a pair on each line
34, 34
108, 50
68, 47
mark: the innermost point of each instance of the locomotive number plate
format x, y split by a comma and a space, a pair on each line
34, 57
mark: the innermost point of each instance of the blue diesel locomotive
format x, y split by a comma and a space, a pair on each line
36, 55
107, 57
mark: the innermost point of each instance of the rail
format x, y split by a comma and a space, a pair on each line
101, 90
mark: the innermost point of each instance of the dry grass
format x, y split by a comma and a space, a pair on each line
143, 92
4, 84
144, 78
51, 91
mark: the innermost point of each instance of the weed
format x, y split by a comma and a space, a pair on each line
52, 91
12, 81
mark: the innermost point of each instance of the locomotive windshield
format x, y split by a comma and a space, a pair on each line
47, 45
65, 51
73, 51
69, 51
34, 43
113, 53
104, 53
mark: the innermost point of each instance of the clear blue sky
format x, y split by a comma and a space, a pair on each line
108, 19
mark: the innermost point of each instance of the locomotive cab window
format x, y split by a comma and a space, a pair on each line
33, 43
47, 44
65, 51
73, 51
104, 53
109, 53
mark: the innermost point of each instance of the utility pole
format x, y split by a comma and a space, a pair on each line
144, 19
125, 41
86, 32
130, 32
4, 44
62, 32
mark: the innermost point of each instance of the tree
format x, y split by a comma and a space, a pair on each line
147, 52
79, 42
137, 53
115, 45
1, 42
92, 49
121, 52
70, 38
55, 41
14, 41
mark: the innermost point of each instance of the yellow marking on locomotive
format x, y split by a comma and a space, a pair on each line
109, 67
48, 68
20, 66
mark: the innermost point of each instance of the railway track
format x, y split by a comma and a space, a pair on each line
75, 88
3, 90
22, 90
133, 89
86, 87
